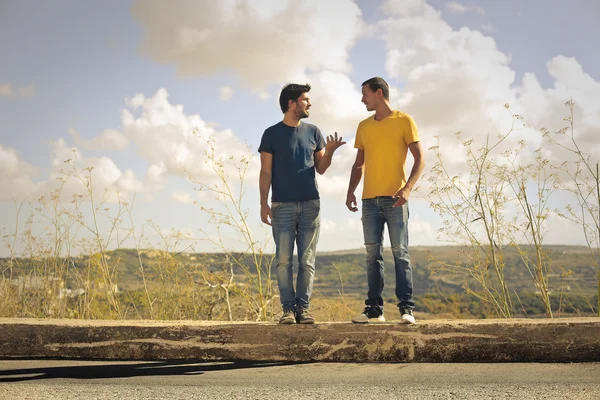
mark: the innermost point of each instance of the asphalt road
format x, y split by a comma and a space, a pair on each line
67, 379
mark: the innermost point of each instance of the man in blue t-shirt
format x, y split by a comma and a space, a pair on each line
290, 152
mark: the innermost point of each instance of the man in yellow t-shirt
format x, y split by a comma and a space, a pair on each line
382, 142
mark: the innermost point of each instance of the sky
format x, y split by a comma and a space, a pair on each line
135, 88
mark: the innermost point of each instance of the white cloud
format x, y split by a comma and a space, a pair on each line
129, 183
258, 40
16, 176
264, 42
404, 8
109, 139
559, 230
454, 80
346, 233
457, 7
225, 93
545, 107
175, 143
68, 171
334, 183
188, 198
421, 232
108, 180
328, 226
336, 105
183, 197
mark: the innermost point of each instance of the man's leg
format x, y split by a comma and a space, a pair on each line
397, 222
284, 234
307, 238
372, 221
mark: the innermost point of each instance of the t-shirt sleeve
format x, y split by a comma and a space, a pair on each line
358, 144
411, 133
266, 144
319, 140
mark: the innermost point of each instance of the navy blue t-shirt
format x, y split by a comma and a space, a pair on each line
293, 149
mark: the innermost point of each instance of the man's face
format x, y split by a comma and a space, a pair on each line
302, 106
369, 98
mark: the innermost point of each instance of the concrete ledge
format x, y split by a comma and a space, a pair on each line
518, 340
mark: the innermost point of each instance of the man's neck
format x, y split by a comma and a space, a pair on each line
383, 111
291, 120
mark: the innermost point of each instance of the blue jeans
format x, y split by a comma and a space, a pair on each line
377, 212
295, 222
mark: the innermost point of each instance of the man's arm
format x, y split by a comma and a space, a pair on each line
417, 152
264, 184
355, 177
323, 157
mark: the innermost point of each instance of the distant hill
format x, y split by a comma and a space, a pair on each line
573, 281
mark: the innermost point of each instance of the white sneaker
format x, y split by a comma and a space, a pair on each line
407, 317
369, 316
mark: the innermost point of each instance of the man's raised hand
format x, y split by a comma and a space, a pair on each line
333, 143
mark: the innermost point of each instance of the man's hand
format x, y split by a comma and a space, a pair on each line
351, 202
265, 214
402, 196
333, 143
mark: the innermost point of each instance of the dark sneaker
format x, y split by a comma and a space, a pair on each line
369, 315
406, 316
304, 317
287, 318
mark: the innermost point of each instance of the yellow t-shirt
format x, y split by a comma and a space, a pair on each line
385, 144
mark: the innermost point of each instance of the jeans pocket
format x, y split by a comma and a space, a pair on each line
315, 203
276, 204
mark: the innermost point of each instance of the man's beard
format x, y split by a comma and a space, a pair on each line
303, 114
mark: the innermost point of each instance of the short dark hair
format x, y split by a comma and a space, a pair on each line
378, 83
291, 91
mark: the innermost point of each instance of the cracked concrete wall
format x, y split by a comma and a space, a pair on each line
567, 340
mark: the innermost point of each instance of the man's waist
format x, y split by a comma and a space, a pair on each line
378, 197
277, 200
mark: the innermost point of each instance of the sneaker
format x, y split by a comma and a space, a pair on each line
369, 315
288, 317
407, 317
303, 316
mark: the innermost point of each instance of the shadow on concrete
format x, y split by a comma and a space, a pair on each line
160, 368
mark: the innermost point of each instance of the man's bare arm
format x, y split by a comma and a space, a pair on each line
322, 160
264, 184
324, 156
416, 149
355, 177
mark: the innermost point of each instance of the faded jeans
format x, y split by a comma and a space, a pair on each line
295, 222
376, 212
